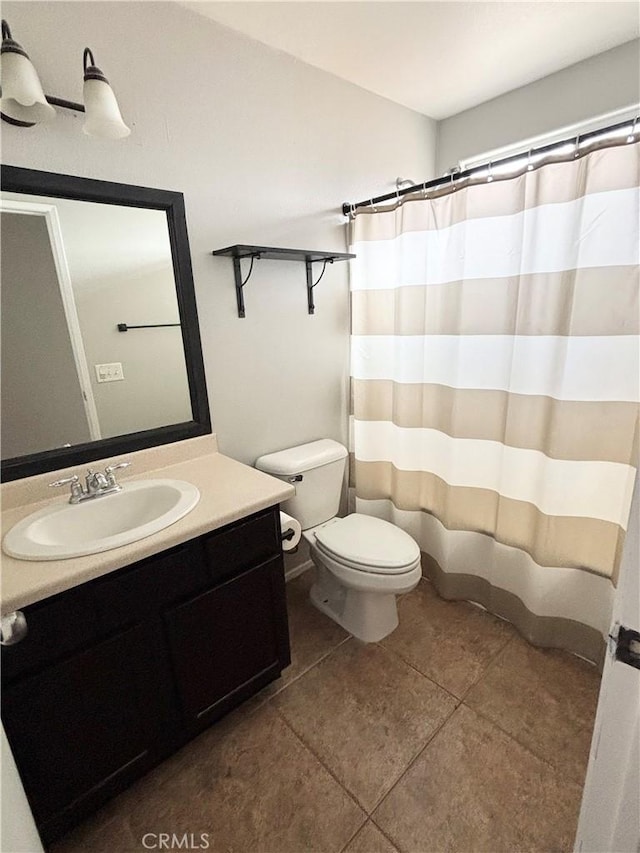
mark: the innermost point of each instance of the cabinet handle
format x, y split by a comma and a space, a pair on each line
13, 628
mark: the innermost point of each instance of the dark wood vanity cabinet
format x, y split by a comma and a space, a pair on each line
116, 674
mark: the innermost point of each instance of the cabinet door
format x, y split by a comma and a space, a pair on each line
85, 724
229, 642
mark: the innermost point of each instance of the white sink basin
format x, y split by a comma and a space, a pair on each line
67, 530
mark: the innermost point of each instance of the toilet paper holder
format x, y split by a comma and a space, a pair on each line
288, 535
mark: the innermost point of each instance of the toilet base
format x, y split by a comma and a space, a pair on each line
369, 616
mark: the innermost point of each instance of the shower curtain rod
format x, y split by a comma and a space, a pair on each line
454, 177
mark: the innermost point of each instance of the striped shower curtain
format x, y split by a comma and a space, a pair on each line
495, 386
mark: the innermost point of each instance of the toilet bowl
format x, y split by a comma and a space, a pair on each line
362, 562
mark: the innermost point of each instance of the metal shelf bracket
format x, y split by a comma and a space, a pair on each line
237, 272
276, 253
311, 283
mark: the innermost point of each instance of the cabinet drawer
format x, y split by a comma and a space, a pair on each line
246, 543
142, 590
57, 627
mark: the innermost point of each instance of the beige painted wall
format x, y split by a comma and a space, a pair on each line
601, 84
265, 149
42, 405
120, 268
121, 272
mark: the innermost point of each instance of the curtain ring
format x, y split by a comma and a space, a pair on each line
372, 206
424, 190
490, 175
352, 210
576, 153
529, 163
398, 199
632, 135
453, 189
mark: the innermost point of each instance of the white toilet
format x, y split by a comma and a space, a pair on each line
362, 562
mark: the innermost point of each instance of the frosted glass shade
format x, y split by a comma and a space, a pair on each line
102, 111
22, 95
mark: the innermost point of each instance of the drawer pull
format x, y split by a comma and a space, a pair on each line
13, 628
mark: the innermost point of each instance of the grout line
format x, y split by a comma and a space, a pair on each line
397, 655
326, 767
557, 770
386, 835
308, 669
490, 665
352, 796
434, 734
492, 658
344, 847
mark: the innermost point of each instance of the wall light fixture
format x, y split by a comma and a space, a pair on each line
23, 102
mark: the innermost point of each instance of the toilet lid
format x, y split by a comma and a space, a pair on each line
368, 541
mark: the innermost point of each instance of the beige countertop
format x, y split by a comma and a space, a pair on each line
229, 490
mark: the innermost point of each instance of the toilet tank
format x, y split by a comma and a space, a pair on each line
316, 470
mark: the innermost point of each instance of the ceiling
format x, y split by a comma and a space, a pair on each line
438, 58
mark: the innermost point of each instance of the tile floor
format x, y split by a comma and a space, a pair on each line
453, 734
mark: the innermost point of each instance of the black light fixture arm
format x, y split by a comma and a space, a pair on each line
91, 72
87, 55
67, 105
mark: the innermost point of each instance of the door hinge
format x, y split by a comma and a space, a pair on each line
625, 645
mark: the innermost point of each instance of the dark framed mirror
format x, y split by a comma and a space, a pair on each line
101, 352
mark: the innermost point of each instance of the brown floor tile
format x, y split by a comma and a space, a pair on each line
252, 786
312, 637
312, 633
366, 714
546, 699
451, 642
370, 840
476, 789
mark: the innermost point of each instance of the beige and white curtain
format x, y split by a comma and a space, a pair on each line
495, 386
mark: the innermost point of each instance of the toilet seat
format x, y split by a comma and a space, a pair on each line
368, 544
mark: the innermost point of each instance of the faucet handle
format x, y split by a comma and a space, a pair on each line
110, 472
76, 488
111, 468
65, 482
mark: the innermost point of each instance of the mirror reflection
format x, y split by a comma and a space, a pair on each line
73, 272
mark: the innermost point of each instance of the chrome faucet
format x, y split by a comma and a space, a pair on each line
96, 485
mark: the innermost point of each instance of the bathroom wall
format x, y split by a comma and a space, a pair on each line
598, 85
32, 312
265, 149
133, 285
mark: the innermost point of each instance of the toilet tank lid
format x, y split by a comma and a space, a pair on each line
304, 457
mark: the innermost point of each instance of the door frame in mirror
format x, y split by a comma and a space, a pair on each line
33, 182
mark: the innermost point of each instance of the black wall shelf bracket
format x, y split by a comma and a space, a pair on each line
311, 283
237, 272
274, 253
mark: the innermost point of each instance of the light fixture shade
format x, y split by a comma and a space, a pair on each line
22, 97
101, 108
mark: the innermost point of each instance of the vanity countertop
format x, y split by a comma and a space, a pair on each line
229, 490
